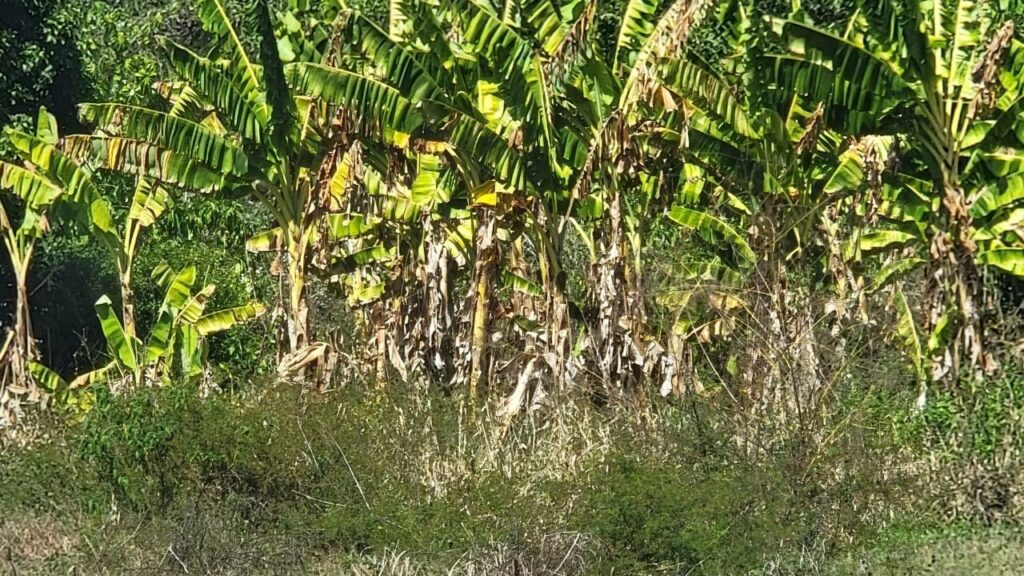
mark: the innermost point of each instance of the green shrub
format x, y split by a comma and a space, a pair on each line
652, 515
49, 479
129, 441
971, 434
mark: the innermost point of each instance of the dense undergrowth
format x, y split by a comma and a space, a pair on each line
282, 481
401, 480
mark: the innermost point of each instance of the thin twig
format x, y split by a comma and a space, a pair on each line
567, 553
312, 456
183, 567
354, 479
315, 499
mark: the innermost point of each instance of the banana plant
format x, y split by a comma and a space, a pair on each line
25, 211
764, 188
232, 126
617, 99
504, 98
945, 77
176, 345
464, 128
149, 202
94, 212
49, 183
75, 397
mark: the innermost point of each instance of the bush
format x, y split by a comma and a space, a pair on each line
660, 515
129, 441
973, 434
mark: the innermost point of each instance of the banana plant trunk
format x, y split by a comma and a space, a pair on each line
615, 292
435, 283
556, 303
127, 302
483, 288
22, 350
297, 312
955, 284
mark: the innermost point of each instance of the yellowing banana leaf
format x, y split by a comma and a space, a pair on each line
269, 241
184, 136
228, 318
46, 127
360, 258
361, 293
32, 188
177, 286
350, 225
1003, 164
194, 308
148, 203
485, 196
96, 376
908, 333
47, 378
51, 162
425, 189
882, 239
848, 176
976, 133
143, 159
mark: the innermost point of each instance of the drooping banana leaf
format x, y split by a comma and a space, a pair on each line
376, 105
399, 66
143, 159
690, 79
244, 109
697, 220
177, 285
228, 318
638, 22
183, 136
33, 189
216, 21
1007, 259
75, 179
908, 333
149, 202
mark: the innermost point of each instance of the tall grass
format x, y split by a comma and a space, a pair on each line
400, 481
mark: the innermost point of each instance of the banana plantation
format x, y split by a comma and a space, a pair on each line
757, 220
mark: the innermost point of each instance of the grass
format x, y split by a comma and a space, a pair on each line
362, 481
